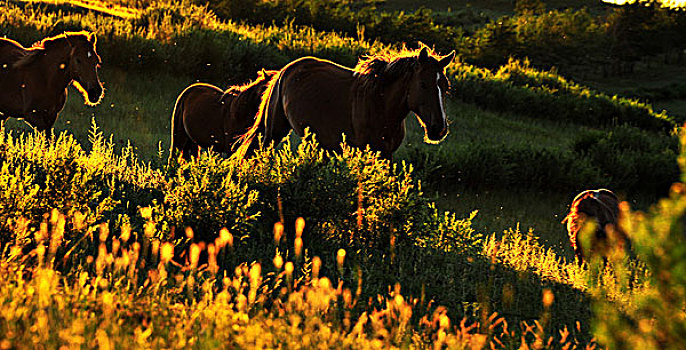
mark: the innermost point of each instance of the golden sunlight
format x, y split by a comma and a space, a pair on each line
666, 3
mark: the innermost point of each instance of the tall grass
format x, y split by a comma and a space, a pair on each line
197, 241
117, 210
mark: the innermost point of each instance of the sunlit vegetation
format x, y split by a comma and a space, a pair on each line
190, 41
108, 245
199, 239
190, 256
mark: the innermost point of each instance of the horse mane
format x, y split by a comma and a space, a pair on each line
372, 72
388, 67
261, 76
243, 141
39, 47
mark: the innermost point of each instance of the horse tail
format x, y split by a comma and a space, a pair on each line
271, 95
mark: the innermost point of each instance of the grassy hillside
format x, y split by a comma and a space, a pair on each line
153, 247
520, 128
135, 212
110, 246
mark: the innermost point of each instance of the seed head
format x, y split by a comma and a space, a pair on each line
278, 261
194, 255
278, 232
340, 257
167, 252
299, 226
548, 298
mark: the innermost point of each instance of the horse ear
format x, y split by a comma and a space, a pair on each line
423, 54
445, 61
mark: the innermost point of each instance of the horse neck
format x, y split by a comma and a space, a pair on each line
395, 107
50, 67
385, 113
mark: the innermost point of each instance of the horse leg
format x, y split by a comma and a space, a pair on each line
277, 128
180, 141
40, 120
190, 150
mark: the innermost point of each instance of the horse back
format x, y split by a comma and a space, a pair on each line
10, 78
202, 109
10, 52
318, 94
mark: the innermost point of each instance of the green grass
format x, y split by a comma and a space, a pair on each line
135, 108
116, 287
493, 7
470, 124
113, 192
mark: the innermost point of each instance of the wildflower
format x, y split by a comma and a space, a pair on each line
299, 226
194, 254
278, 232
167, 252
340, 257
278, 261
125, 233
146, 213
316, 266
189, 233
548, 298
225, 238
298, 246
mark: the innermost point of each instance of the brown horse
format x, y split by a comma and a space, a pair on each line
368, 104
602, 206
205, 116
34, 81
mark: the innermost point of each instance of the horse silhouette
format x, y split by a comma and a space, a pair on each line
206, 116
368, 104
602, 206
34, 81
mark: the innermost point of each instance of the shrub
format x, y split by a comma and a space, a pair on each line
655, 320
192, 41
628, 158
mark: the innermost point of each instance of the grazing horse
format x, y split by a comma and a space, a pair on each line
205, 116
34, 81
368, 104
602, 206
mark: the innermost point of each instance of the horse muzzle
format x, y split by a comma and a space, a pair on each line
94, 94
437, 133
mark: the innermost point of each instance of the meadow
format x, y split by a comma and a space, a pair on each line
105, 244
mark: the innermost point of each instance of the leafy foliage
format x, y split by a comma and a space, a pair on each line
193, 41
352, 200
656, 318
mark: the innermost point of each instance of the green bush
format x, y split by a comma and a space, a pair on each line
518, 88
191, 41
655, 319
628, 158
376, 210
55, 172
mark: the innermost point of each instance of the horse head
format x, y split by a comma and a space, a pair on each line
426, 93
84, 62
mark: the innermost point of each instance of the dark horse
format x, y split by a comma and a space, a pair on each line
205, 116
33, 82
602, 206
368, 104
